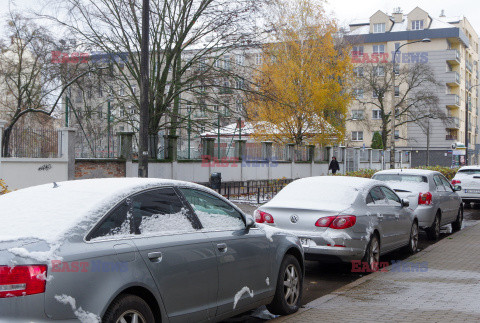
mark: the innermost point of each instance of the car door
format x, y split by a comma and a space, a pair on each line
402, 224
378, 207
179, 256
243, 256
442, 199
453, 202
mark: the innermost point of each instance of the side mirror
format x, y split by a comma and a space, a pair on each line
249, 222
405, 203
457, 188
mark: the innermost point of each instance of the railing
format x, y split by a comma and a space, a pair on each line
453, 122
451, 137
33, 143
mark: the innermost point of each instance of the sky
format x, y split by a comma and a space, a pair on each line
345, 11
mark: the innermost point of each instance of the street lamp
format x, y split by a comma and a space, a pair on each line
393, 114
466, 124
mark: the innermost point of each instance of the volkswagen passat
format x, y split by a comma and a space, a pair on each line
343, 218
139, 250
434, 200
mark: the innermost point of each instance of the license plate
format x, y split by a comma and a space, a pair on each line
472, 191
305, 242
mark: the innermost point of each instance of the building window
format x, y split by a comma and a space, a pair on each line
358, 71
397, 46
358, 93
379, 71
258, 59
239, 84
357, 50
240, 59
357, 135
357, 114
397, 134
397, 69
378, 49
376, 114
217, 63
397, 91
417, 24
378, 28
239, 105
226, 62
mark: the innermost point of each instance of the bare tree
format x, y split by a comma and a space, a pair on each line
189, 40
415, 94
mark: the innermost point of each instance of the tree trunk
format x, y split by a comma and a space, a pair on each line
6, 141
428, 145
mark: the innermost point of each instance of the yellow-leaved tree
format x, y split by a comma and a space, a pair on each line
302, 91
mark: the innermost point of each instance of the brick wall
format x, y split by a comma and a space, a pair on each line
92, 168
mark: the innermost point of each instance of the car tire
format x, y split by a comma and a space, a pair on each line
288, 292
433, 232
128, 307
372, 254
457, 224
412, 246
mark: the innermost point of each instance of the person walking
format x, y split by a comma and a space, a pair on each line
334, 166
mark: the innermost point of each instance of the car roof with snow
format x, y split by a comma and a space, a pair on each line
470, 167
48, 211
407, 171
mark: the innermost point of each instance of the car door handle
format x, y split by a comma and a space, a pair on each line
155, 256
222, 247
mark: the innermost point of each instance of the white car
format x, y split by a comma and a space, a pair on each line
468, 178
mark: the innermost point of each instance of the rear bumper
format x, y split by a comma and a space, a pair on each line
425, 215
469, 197
326, 247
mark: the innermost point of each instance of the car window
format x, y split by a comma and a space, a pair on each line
213, 213
151, 212
469, 171
377, 195
446, 184
438, 183
400, 178
369, 199
392, 198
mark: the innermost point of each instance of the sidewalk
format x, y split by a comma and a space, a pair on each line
449, 291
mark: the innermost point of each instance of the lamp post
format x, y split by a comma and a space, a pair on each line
466, 124
393, 114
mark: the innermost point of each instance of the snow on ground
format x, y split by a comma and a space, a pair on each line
239, 294
82, 315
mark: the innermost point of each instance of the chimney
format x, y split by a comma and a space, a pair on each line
397, 15
442, 14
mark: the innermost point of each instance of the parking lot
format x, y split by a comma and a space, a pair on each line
322, 279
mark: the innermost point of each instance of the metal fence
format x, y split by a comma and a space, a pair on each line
33, 143
96, 146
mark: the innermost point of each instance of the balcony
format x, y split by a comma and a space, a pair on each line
453, 123
453, 56
453, 78
453, 101
451, 137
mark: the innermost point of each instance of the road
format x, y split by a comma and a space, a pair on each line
322, 279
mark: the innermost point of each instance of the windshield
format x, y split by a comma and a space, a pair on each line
400, 178
470, 171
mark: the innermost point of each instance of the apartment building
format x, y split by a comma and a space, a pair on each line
453, 55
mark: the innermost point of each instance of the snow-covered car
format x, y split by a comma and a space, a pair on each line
468, 180
342, 218
435, 202
139, 250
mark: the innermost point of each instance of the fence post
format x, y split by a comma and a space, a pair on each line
343, 149
240, 145
370, 157
66, 149
125, 145
2, 125
208, 145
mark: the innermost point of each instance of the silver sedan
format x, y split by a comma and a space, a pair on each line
434, 200
139, 250
343, 218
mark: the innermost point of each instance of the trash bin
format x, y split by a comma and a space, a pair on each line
215, 180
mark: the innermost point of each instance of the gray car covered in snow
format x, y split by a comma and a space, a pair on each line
139, 250
434, 200
342, 218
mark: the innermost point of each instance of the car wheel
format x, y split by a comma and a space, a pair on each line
372, 254
457, 225
288, 293
413, 242
129, 309
433, 233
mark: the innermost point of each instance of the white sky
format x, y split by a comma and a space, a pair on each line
345, 10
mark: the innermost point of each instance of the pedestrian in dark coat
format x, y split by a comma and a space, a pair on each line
334, 166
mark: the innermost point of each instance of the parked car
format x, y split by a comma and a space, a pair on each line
434, 200
343, 218
468, 179
139, 250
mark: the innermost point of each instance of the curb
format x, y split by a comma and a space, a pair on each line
326, 298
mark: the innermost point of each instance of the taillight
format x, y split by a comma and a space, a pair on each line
456, 181
425, 198
22, 280
337, 222
263, 217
